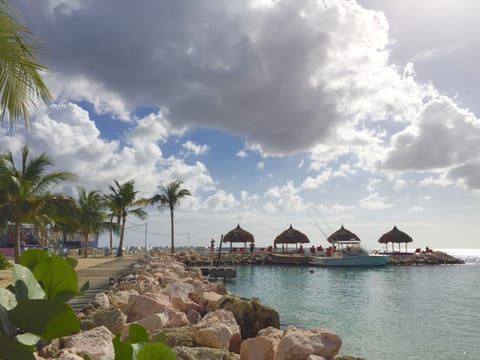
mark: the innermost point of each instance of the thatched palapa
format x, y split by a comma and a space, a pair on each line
395, 236
238, 235
291, 236
344, 236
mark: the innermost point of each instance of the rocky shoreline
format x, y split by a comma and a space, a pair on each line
264, 258
199, 320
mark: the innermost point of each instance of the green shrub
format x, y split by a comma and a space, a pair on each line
4, 263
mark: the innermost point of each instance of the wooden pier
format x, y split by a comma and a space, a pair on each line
219, 273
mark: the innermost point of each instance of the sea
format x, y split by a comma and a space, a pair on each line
386, 313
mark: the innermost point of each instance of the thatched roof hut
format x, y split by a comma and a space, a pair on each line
291, 236
343, 235
238, 235
395, 236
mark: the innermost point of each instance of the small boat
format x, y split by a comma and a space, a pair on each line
290, 259
356, 258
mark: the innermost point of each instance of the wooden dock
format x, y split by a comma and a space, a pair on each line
215, 273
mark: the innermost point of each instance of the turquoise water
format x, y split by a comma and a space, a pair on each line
389, 313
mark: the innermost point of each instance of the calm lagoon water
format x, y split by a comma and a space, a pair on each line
389, 313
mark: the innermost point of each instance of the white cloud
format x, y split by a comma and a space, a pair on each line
372, 183
300, 164
247, 198
318, 181
284, 199
441, 137
242, 154
416, 209
261, 165
191, 147
440, 180
399, 184
220, 201
375, 202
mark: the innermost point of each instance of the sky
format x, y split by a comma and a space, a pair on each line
273, 113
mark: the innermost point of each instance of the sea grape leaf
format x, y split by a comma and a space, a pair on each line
28, 338
58, 278
7, 299
137, 333
32, 257
154, 351
73, 262
84, 288
11, 349
24, 274
6, 326
123, 350
48, 319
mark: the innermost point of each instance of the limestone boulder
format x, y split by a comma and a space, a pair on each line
167, 319
95, 343
298, 344
119, 298
113, 319
250, 314
180, 336
193, 316
68, 354
218, 329
203, 353
141, 306
101, 300
263, 346
209, 300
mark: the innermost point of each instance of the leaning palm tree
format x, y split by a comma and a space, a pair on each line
170, 196
123, 202
20, 82
25, 190
91, 217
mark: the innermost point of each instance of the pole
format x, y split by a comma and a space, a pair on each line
145, 239
218, 259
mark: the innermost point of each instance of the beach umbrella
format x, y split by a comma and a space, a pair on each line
238, 235
291, 236
343, 235
395, 236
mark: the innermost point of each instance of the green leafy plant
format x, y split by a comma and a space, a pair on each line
4, 263
35, 307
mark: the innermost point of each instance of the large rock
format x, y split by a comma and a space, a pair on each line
203, 353
141, 306
113, 319
119, 298
298, 344
218, 329
263, 346
95, 343
167, 319
250, 314
181, 336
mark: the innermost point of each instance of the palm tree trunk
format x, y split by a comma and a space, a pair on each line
122, 232
172, 250
85, 246
16, 240
111, 234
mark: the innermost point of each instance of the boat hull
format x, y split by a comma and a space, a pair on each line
290, 259
350, 261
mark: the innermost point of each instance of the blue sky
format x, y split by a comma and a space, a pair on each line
311, 113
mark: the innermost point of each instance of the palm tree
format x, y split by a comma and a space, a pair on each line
91, 217
170, 196
25, 191
20, 82
122, 203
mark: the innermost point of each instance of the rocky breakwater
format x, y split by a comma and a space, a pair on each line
196, 318
423, 258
